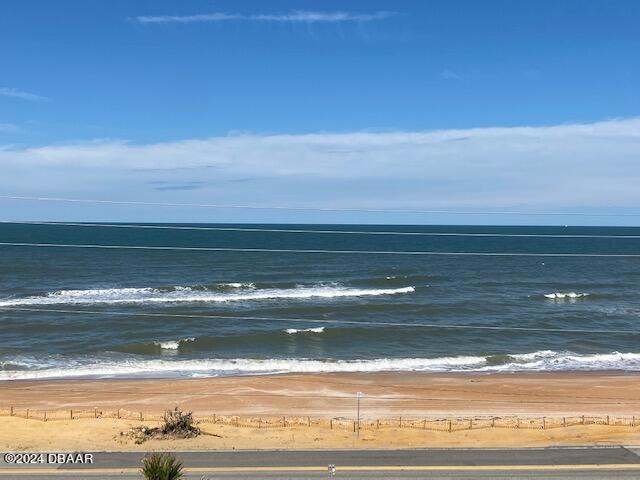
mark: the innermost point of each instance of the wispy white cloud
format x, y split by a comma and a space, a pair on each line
297, 16
207, 17
10, 128
560, 166
15, 93
449, 75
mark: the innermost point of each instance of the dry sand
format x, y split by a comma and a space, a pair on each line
333, 395
386, 395
18, 434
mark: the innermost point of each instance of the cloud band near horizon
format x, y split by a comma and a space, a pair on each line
563, 166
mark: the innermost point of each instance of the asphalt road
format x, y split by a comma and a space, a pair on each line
548, 463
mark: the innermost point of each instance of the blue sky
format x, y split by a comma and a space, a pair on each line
392, 104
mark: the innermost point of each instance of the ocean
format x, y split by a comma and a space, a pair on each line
168, 313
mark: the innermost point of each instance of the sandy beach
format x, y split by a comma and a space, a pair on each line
386, 396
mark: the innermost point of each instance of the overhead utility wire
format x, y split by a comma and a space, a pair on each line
326, 321
312, 209
311, 231
336, 252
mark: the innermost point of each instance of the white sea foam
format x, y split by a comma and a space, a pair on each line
173, 344
239, 285
565, 295
305, 330
32, 367
189, 295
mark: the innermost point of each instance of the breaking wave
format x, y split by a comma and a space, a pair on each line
196, 295
565, 295
305, 330
133, 366
173, 344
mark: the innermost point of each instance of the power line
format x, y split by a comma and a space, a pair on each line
312, 209
311, 231
335, 252
325, 321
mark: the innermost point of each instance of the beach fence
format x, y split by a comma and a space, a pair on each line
450, 425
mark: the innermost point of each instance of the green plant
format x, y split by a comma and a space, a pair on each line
162, 466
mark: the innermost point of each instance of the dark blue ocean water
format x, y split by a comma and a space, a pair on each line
302, 299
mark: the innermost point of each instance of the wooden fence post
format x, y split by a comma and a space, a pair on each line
71, 414
608, 420
400, 422
633, 421
44, 419
141, 416
449, 426
27, 413
284, 421
544, 423
331, 424
493, 422
308, 421
354, 426
378, 424
517, 422
564, 421
95, 412
582, 419
11, 414
470, 423
424, 424
118, 414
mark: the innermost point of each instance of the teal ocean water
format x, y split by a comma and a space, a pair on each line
313, 312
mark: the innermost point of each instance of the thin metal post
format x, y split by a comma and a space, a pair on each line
358, 395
